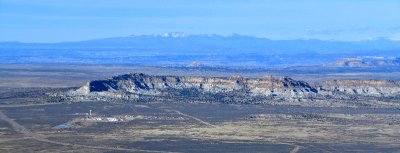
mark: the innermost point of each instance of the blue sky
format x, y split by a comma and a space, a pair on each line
72, 20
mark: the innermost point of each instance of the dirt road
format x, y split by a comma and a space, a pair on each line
21, 129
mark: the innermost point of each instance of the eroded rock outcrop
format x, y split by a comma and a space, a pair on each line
137, 85
373, 88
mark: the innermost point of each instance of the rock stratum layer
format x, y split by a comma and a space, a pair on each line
235, 89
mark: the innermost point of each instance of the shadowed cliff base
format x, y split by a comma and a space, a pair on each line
239, 90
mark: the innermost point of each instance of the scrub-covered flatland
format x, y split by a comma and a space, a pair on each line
184, 127
227, 114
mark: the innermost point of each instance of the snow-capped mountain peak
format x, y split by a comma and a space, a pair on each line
173, 34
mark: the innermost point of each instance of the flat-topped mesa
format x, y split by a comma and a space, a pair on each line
137, 85
134, 85
372, 88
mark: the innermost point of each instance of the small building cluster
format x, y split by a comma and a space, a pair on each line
90, 117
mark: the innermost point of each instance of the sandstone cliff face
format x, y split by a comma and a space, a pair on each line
134, 86
374, 88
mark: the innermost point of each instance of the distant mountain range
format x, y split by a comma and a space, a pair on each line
182, 49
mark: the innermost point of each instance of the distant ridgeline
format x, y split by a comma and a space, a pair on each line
177, 49
235, 89
367, 61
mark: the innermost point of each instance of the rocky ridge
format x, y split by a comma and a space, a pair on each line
136, 86
367, 61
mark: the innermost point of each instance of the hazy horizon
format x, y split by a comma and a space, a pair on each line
205, 34
74, 20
